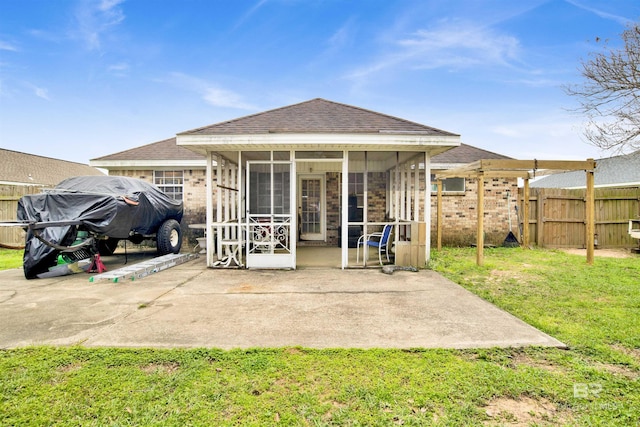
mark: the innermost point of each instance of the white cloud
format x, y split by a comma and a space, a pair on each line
7, 46
120, 69
95, 18
450, 44
38, 91
617, 18
211, 93
250, 12
458, 44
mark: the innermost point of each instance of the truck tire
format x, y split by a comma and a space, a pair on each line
107, 247
169, 237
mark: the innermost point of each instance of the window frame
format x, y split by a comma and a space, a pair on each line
434, 185
170, 182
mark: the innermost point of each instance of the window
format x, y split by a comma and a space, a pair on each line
170, 182
356, 187
449, 185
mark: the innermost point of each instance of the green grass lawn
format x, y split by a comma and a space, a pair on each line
10, 258
595, 310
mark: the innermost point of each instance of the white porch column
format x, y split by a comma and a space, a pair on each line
416, 190
427, 203
238, 206
219, 204
344, 209
209, 210
293, 202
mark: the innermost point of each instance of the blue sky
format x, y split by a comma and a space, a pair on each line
81, 79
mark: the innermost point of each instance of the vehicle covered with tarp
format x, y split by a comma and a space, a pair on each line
85, 215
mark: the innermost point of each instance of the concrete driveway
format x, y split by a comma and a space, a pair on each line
193, 306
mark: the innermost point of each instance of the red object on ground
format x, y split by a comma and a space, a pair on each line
96, 265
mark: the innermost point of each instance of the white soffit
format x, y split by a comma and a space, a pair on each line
301, 141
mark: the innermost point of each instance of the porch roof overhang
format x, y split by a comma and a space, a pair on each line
382, 141
151, 164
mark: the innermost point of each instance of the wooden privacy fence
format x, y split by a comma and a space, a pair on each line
9, 196
557, 216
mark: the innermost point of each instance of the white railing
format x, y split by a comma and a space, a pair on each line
268, 234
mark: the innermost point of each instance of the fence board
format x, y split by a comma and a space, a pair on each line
9, 197
557, 216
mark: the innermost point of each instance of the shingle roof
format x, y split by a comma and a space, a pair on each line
465, 154
317, 116
612, 171
161, 150
32, 169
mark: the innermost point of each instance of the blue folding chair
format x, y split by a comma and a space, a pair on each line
378, 240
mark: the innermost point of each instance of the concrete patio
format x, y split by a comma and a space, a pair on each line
194, 306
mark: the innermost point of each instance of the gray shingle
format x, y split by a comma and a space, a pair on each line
317, 116
161, 150
619, 170
32, 169
465, 154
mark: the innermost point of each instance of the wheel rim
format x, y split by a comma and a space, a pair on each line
174, 237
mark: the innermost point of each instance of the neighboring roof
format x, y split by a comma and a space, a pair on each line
165, 153
161, 150
23, 168
462, 155
618, 171
317, 116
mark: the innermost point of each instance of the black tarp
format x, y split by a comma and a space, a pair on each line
110, 206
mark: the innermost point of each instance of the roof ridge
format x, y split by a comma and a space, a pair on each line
245, 117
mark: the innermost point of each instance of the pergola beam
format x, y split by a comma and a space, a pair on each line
526, 169
509, 168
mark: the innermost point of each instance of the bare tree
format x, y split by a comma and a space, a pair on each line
610, 95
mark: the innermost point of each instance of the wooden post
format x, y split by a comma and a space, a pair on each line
541, 201
439, 214
480, 210
525, 214
590, 215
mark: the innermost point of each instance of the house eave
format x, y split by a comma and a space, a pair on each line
149, 164
434, 144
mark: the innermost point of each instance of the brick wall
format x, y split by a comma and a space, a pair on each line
460, 218
459, 211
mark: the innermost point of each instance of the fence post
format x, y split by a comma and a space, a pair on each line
590, 214
525, 214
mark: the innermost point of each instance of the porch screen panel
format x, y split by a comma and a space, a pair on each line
260, 181
281, 189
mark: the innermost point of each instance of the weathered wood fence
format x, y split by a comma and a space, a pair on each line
9, 196
557, 216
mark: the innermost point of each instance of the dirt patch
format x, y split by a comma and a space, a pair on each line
606, 253
523, 411
621, 370
165, 368
524, 359
72, 367
633, 352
